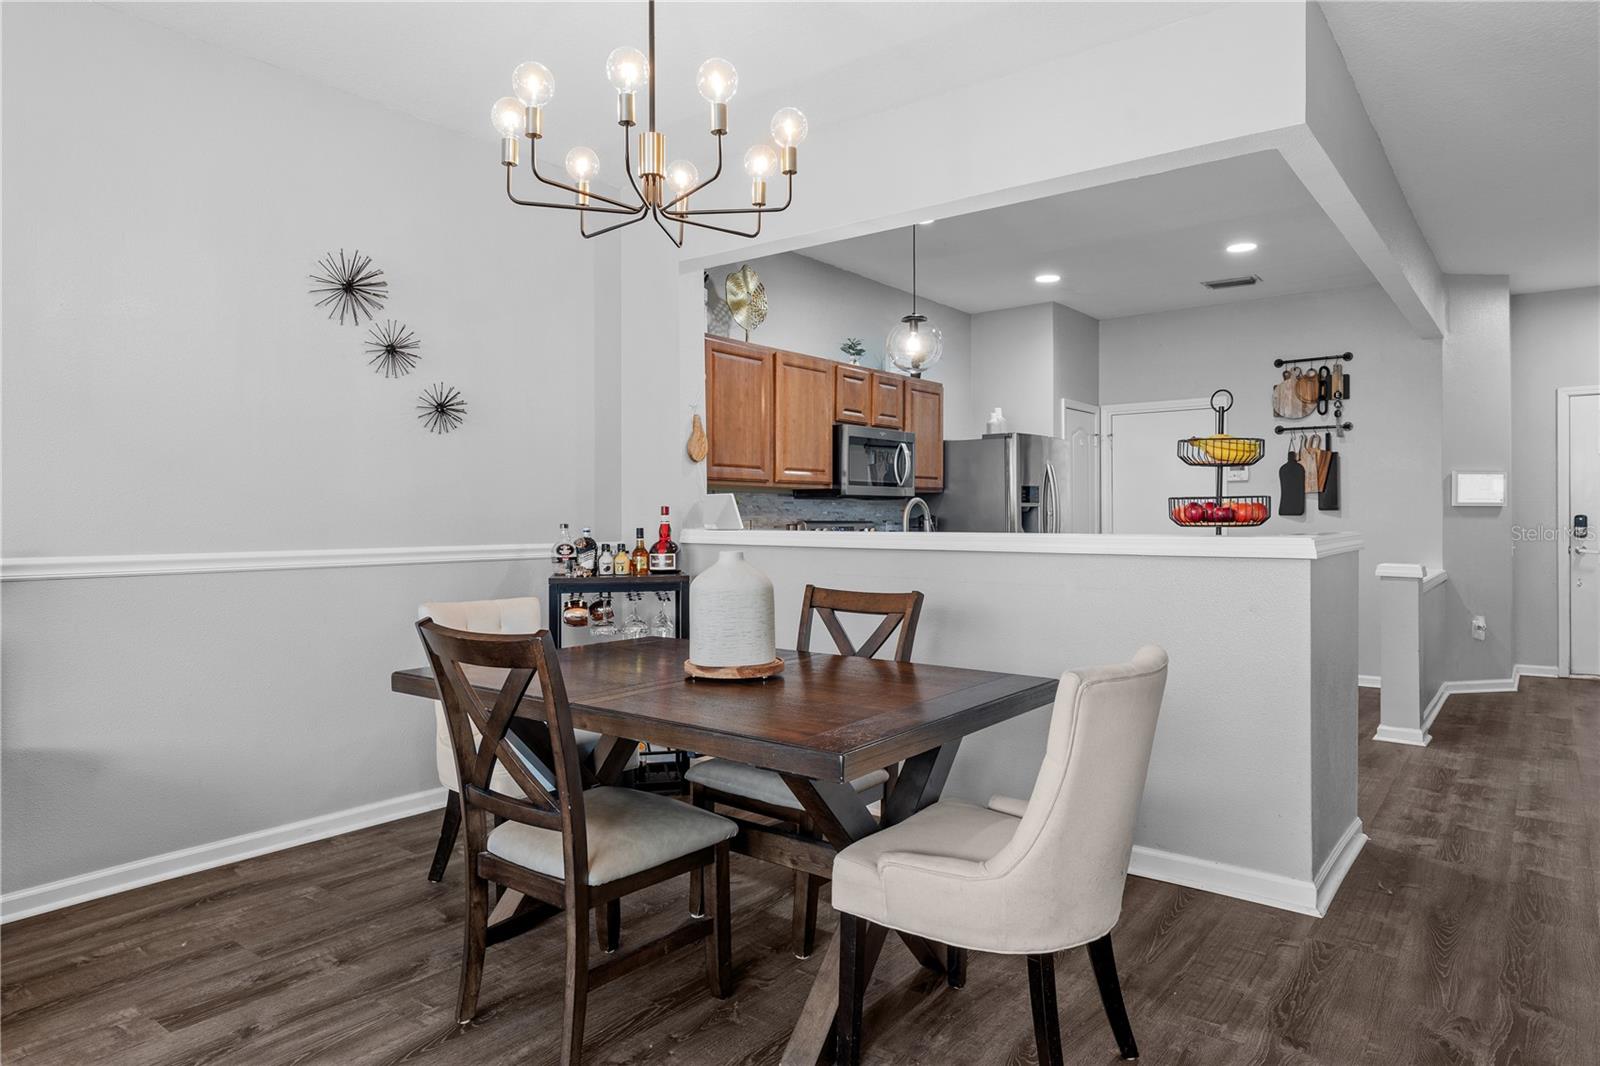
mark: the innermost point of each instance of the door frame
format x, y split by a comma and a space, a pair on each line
1108, 412
1564, 397
1093, 411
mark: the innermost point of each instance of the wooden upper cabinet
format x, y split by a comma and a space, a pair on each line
888, 401
852, 394
925, 418
739, 412
803, 429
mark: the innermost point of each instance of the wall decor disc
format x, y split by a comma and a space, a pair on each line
349, 285
393, 348
441, 408
746, 298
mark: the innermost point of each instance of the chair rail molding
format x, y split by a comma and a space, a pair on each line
62, 567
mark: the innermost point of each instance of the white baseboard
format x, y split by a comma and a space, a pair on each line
1369, 681
1394, 734
1310, 896
1522, 670
26, 902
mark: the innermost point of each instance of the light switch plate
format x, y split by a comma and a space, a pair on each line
1238, 473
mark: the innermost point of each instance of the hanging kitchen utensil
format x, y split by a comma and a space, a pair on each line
1328, 498
698, 446
1283, 401
1324, 389
1311, 462
1305, 388
1291, 487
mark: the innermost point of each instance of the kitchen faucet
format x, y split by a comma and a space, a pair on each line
927, 515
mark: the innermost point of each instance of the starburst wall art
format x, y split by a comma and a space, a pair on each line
349, 286
441, 409
393, 349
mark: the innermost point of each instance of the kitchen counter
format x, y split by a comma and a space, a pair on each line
1252, 785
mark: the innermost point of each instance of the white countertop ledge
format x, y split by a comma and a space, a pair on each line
1301, 546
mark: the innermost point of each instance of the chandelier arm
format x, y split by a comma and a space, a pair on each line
607, 229
678, 240
714, 176
757, 211
567, 207
533, 163
720, 229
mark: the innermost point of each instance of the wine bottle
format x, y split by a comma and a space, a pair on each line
664, 553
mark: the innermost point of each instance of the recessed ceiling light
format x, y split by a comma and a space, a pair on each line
927, 222
1241, 247
1047, 279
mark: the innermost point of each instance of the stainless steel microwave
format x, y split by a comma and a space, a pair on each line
874, 462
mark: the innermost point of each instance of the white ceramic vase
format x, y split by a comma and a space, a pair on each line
731, 619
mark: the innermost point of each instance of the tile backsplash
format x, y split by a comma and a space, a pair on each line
776, 510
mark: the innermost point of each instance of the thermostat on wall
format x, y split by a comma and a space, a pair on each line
1477, 488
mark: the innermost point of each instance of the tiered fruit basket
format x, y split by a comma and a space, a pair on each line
1219, 450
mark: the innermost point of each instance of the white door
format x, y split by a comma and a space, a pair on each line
1080, 427
1583, 552
1140, 464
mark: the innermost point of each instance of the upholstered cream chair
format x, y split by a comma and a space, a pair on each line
1020, 878
517, 615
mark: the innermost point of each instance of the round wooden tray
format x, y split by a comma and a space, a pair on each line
733, 673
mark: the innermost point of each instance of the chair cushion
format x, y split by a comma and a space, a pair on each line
766, 786
939, 847
628, 831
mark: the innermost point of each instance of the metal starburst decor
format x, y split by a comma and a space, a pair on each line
393, 348
349, 286
441, 408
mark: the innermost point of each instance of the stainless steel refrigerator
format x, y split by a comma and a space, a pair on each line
1006, 483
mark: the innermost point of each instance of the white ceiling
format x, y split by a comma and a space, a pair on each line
1490, 115
1124, 249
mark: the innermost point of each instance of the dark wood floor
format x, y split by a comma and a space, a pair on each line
1467, 932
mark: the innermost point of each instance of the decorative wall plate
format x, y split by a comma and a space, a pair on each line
747, 299
349, 286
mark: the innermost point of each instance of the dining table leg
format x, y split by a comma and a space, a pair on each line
841, 817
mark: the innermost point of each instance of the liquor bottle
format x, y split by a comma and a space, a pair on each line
640, 563
585, 554
664, 553
605, 560
561, 554
621, 566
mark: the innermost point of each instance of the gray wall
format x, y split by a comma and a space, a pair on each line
1015, 350
169, 388
1076, 344
1555, 341
1390, 461
813, 307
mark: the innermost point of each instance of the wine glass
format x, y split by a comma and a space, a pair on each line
662, 626
605, 620
634, 627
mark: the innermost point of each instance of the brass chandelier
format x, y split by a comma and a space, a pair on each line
662, 189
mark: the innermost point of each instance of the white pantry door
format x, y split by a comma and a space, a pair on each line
1140, 467
1080, 427
1582, 448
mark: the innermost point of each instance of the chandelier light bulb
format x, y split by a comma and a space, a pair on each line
507, 116
682, 175
534, 84
760, 161
582, 164
627, 69
717, 81
789, 127
914, 346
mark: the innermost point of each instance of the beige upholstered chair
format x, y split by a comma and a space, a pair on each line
518, 615
1021, 878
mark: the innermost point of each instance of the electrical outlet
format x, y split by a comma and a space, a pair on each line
1238, 473
1480, 627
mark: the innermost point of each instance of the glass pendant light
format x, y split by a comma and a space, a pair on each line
915, 345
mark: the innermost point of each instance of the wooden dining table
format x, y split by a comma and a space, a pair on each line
824, 721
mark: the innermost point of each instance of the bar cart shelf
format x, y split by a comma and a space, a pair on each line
1219, 451
561, 587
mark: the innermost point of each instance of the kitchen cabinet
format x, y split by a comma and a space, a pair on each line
803, 421
888, 401
925, 417
852, 394
739, 412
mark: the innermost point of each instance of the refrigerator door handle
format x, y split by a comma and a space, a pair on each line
1014, 493
1052, 500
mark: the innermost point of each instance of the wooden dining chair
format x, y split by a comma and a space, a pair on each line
565, 849
1018, 878
518, 614
751, 790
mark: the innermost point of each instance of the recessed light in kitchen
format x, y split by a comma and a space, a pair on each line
1241, 247
1047, 279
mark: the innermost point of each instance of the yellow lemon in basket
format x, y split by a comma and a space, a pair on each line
1226, 449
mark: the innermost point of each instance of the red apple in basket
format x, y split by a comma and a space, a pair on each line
1227, 513
1193, 512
